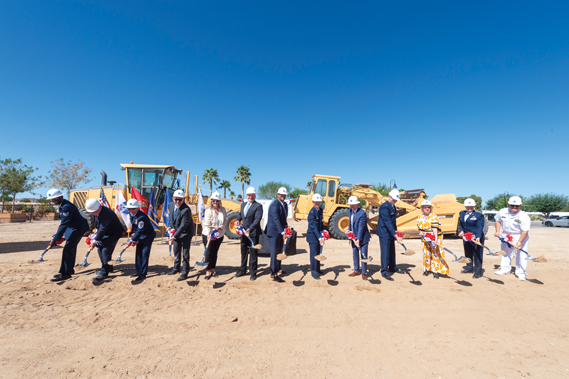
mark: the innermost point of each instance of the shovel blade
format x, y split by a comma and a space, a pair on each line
258, 246
367, 260
540, 259
409, 252
501, 252
464, 260
201, 264
282, 257
320, 258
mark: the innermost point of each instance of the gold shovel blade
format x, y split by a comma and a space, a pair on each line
365, 260
409, 252
464, 260
501, 252
257, 246
320, 258
282, 257
540, 259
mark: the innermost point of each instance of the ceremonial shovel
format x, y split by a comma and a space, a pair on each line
406, 252
462, 259
288, 234
85, 264
241, 232
352, 236
202, 263
42, 254
470, 238
508, 241
120, 255
320, 257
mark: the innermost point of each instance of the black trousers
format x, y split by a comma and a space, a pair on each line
142, 256
211, 255
387, 246
245, 249
69, 255
182, 252
315, 249
476, 255
276, 244
106, 252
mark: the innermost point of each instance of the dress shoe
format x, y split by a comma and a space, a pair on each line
435, 275
466, 271
277, 278
184, 276
502, 272
364, 276
134, 276
60, 277
476, 276
140, 278
173, 272
320, 272
398, 271
239, 274
253, 278
316, 277
355, 273
425, 273
99, 278
282, 272
387, 277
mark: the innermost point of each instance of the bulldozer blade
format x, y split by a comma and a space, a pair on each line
282, 257
320, 258
540, 259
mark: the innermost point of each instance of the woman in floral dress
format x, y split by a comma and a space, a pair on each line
433, 256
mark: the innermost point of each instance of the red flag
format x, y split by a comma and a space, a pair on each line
134, 194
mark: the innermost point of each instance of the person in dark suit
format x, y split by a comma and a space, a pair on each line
314, 236
358, 226
72, 227
251, 214
275, 230
387, 233
471, 221
182, 222
109, 231
144, 235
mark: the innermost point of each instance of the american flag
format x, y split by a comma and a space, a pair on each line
103, 199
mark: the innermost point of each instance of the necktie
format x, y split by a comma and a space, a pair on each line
246, 209
175, 211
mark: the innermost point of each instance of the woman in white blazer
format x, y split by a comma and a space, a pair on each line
215, 219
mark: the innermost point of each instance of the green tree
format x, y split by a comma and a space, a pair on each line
382, 188
477, 199
210, 176
243, 176
501, 201
15, 178
546, 203
309, 184
269, 189
68, 175
226, 185
297, 191
231, 194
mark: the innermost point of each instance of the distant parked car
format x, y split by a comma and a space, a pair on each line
561, 221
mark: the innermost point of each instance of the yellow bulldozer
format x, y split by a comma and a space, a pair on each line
143, 178
336, 210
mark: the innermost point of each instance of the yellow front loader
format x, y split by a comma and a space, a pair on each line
336, 210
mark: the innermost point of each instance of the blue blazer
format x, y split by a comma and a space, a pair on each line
142, 227
276, 222
315, 225
387, 221
474, 224
72, 224
359, 225
108, 225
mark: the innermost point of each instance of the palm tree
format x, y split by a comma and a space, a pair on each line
243, 176
225, 184
231, 194
210, 176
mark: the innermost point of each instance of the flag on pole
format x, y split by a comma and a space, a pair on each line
103, 199
152, 215
134, 194
122, 211
165, 211
201, 207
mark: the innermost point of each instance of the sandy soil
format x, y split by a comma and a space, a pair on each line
338, 327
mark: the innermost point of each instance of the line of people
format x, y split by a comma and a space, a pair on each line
511, 221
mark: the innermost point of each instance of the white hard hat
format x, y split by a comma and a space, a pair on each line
515, 200
395, 195
178, 193
469, 203
250, 190
53, 193
91, 205
316, 197
132, 204
352, 200
215, 196
426, 203
282, 191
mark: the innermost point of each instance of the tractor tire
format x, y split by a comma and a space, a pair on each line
339, 222
230, 228
90, 220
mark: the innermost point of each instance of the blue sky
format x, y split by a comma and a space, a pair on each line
453, 97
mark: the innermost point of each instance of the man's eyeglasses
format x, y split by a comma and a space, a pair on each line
515, 206
178, 199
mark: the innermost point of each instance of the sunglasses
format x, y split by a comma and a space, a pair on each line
515, 206
178, 199
215, 201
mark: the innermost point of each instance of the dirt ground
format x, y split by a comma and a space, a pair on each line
338, 327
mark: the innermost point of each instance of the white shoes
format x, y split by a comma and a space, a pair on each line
502, 272
521, 277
